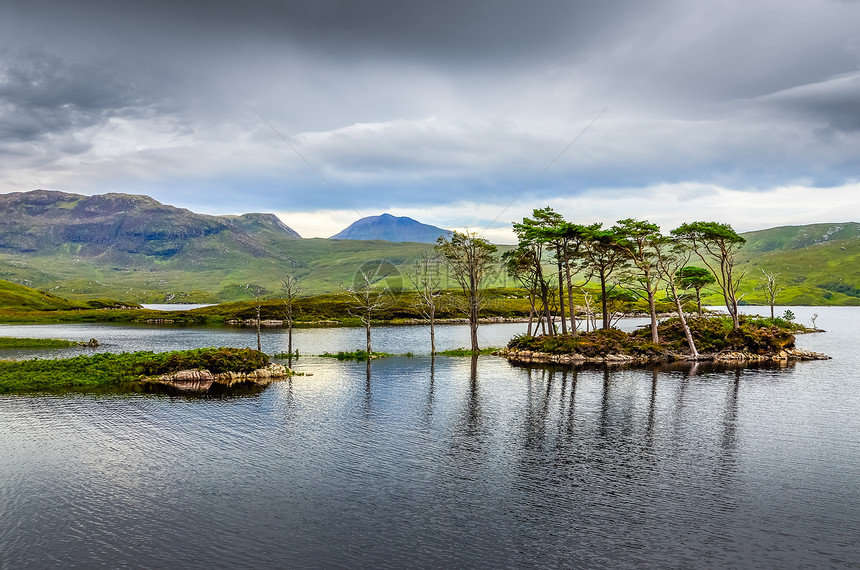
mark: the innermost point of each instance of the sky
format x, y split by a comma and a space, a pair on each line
462, 114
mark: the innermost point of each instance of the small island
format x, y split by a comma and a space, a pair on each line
197, 370
757, 339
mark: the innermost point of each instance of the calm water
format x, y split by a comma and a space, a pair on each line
450, 464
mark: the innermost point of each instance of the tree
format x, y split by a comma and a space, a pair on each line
641, 242
291, 289
368, 300
716, 245
522, 264
670, 260
603, 255
258, 291
696, 278
535, 234
427, 281
470, 259
771, 286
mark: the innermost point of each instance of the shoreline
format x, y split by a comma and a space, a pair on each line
727, 357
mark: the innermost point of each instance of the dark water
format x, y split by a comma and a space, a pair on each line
456, 464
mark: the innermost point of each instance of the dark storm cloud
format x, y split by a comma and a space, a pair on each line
833, 104
40, 94
444, 28
394, 101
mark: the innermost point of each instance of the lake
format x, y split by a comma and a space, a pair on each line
438, 463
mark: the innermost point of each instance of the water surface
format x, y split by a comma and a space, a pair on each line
449, 462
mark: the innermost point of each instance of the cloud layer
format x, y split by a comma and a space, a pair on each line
313, 109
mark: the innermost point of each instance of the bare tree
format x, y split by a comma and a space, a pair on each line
426, 278
368, 300
669, 263
770, 284
470, 259
588, 305
258, 291
291, 289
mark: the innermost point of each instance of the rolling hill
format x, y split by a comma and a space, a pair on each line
136, 249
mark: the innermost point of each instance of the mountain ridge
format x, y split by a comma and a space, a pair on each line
392, 228
134, 248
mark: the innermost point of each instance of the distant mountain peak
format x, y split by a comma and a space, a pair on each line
391, 228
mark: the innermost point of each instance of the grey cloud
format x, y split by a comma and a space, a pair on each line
486, 29
43, 95
833, 104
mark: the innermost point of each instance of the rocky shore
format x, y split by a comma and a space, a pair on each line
202, 380
785, 355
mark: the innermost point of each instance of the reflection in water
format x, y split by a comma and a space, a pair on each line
489, 465
468, 433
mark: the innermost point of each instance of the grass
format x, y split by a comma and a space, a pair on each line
359, 355
12, 342
110, 369
819, 265
466, 352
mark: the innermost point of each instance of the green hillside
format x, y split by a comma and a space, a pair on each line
18, 297
818, 264
136, 249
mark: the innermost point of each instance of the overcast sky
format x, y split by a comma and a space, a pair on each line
458, 113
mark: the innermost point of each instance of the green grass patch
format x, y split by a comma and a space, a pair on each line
12, 342
108, 369
466, 352
360, 355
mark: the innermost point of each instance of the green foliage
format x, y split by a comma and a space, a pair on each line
106, 369
841, 288
709, 232
788, 315
692, 277
599, 343
359, 355
11, 342
711, 334
715, 334
466, 352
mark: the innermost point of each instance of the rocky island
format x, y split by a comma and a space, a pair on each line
187, 370
756, 340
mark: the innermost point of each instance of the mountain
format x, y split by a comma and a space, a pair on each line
262, 224
137, 249
392, 228
120, 228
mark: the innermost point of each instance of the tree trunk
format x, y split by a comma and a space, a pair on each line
531, 319
686, 327
570, 304
652, 309
561, 310
290, 342
432, 332
367, 332
699, 301
259, 343
604, 301
473, 323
